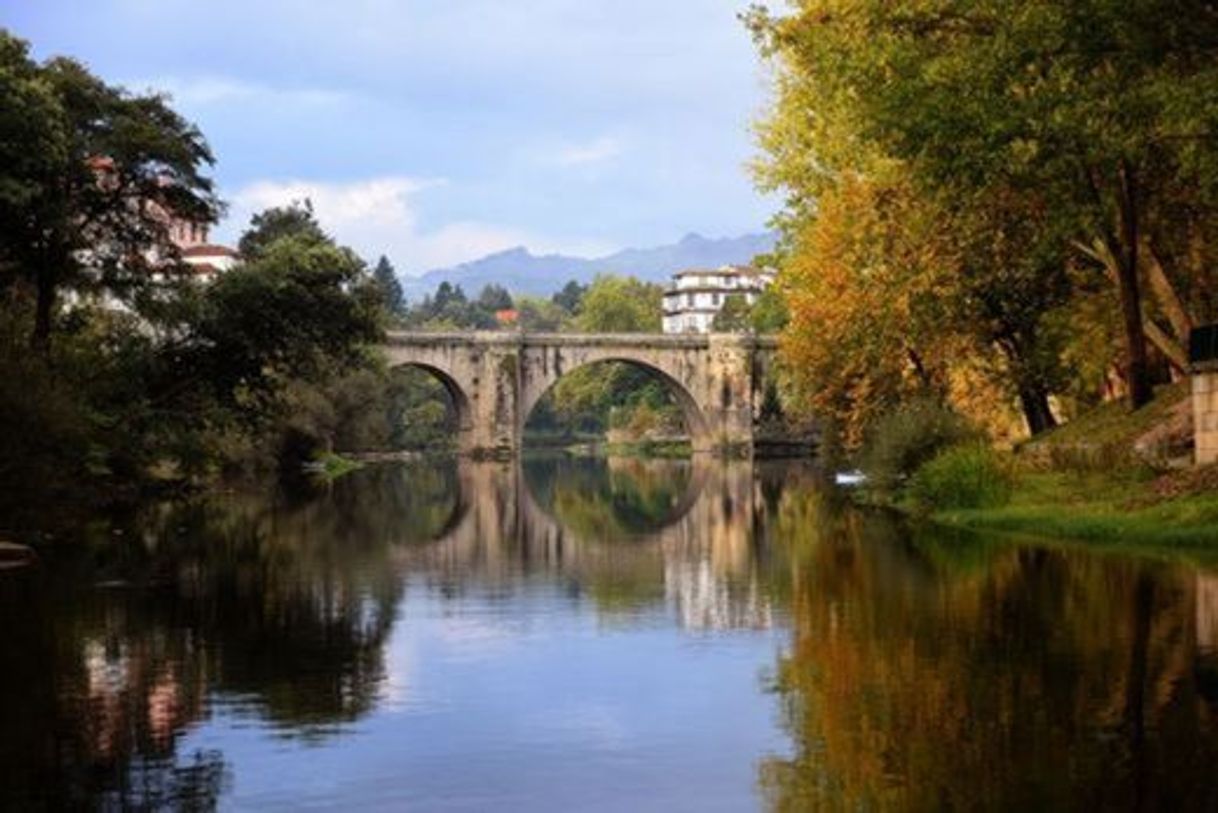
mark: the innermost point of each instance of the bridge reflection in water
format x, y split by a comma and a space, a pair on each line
678, 531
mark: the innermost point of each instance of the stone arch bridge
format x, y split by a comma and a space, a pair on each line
723, 382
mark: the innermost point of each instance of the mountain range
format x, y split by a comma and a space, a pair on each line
522, 272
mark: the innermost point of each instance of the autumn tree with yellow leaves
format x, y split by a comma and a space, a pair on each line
963, 178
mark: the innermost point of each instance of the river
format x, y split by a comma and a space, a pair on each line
594, 634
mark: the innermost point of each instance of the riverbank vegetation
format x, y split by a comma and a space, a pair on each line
124, 369
1110, 477
1003, 208
119, 369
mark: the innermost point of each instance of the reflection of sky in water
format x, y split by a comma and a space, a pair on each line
382, 644
529, 703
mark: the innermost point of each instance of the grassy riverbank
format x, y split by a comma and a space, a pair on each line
1125, 508
1111, 477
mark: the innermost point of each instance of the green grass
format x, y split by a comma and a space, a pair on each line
1083, 481
330, 466
650, 448
1113, 423
1109, 509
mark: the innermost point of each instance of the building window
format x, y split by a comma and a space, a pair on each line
715, 300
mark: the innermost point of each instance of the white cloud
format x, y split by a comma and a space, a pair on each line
603, 149
380, 216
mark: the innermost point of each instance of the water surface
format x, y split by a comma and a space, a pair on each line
594, 635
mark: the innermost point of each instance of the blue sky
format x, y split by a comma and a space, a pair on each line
437, 131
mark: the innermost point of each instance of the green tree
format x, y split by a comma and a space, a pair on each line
89, 177
281, 316
447, 294
391, 289
570, 297
735, 316
295, 220
770, 313
539, 315
615, 304
1098, 114
494, 298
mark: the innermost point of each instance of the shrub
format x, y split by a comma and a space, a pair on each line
900, 441
970, 475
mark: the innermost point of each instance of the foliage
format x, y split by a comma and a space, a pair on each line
900, 442
494, 298
734, 316
615, 304
865, 286
770, 313
450, 309
1038, 148
598, 397
277, 316
390, 288
154, 376
295, 220
268, 360
89, 176
539, 315
970, 475
570, 297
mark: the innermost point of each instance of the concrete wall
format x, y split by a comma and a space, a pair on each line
497, 378
1205, 414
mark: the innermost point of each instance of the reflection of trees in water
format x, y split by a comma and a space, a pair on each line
922, 673
926, 676
609, 499
281, 607
94, 696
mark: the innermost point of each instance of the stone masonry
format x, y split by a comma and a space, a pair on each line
1205, 411
496, 378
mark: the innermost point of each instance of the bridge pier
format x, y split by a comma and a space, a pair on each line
496, 378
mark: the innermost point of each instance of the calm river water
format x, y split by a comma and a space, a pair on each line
595, 635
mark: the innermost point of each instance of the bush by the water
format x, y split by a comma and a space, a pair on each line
970, 475
909, 436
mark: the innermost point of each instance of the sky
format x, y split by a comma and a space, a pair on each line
438, 131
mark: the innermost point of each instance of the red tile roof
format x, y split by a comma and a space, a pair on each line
209, 250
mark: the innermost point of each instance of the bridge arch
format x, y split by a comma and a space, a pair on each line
696, 424
457, 396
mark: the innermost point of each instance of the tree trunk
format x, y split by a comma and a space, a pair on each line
919, 368
1036, 411
1169, 346
1174, 347
1175, 309
44, 311
1138, 367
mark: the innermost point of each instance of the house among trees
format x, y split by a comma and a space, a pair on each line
696, 295
206, 260
187, 234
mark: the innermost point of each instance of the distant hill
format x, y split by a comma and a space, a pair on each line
521, 272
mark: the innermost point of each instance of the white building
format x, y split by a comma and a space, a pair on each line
696, 295
205, 260
208, 260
